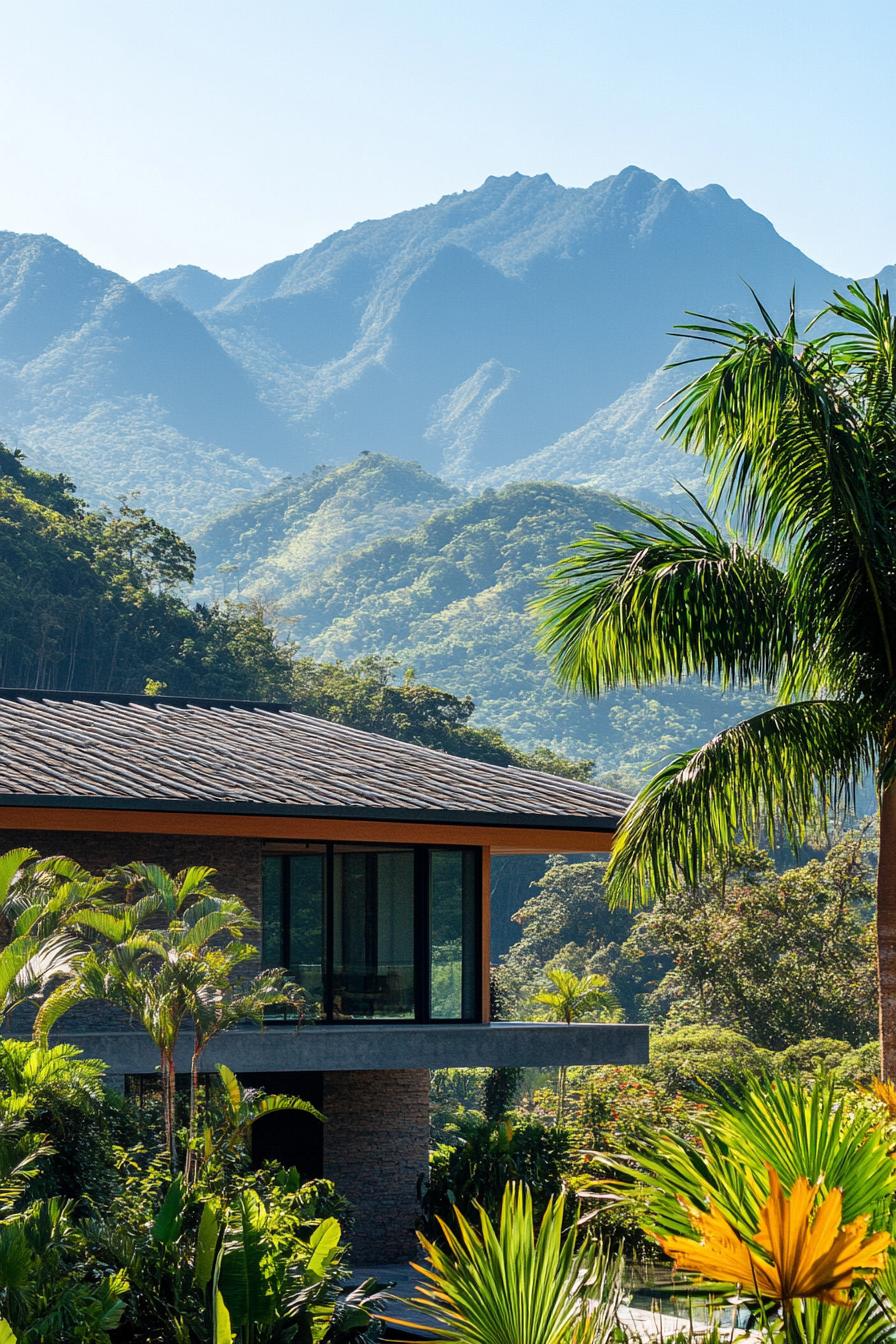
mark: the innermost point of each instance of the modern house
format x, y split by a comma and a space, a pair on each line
367, 862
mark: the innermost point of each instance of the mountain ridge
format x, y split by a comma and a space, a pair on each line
519, 326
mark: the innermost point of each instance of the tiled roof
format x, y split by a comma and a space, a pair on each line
202, 755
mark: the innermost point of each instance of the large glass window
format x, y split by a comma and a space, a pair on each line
293, 926
376, 931
373, 933
453, 921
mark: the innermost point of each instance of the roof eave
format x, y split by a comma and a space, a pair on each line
241, 808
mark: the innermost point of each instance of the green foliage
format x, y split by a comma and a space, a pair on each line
499, 1092
230, 1113
91, 599
849, 1066
218, 1254
812, 1131
449, 598
684, 1061
572, 998
167, 953
94, 600
57, 1095
57, 1131
303, 522
262, 1260
780, 957
524, 1281
743, 1136
365, 694
44, 1293
567, 923
485, 1156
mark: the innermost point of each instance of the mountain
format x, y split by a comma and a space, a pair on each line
510, 330
269, 544
122, 391
449, 598
474, 333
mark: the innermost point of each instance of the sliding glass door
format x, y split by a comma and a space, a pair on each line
377, 932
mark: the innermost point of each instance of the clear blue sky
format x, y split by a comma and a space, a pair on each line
146, 133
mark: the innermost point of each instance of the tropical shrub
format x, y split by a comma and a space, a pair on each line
486, 1157
692, 1058
45, 1294
270, 1248
784, 1191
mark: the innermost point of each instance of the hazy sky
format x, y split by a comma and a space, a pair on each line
230, 134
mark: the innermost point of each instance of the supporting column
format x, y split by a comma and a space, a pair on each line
376, 1146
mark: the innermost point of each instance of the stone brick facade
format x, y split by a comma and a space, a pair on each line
376, 1146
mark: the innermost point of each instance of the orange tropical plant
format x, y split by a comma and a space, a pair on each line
795, 1253
885, 1093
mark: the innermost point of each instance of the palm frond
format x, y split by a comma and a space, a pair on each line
28, 964
518, 1283
867, 344
782, 771
798, 438
11, 865
767, 415
669, 600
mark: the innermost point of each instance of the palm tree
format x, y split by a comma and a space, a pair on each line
575, 999
124, 976
218, 1001
155, 973
792, 590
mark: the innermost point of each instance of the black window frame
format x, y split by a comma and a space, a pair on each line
422, 926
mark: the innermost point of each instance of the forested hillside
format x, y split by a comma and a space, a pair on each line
90, 600
450, 598
271, 542
93, 601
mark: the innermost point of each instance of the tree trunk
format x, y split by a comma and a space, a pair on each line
561, 1093
169, 1086
190, 1161
886, 932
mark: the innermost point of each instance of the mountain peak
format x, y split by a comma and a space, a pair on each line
193, 286
632, 173
473, 333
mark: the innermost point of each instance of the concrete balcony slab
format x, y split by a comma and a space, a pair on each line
374, 1046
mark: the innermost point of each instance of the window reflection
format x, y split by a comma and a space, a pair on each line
293, 923
453, 940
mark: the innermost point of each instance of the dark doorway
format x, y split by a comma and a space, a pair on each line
290, 1137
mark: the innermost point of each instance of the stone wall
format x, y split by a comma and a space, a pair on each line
376, 1146
238, 864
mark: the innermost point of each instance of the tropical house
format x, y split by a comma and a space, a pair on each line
367, 862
